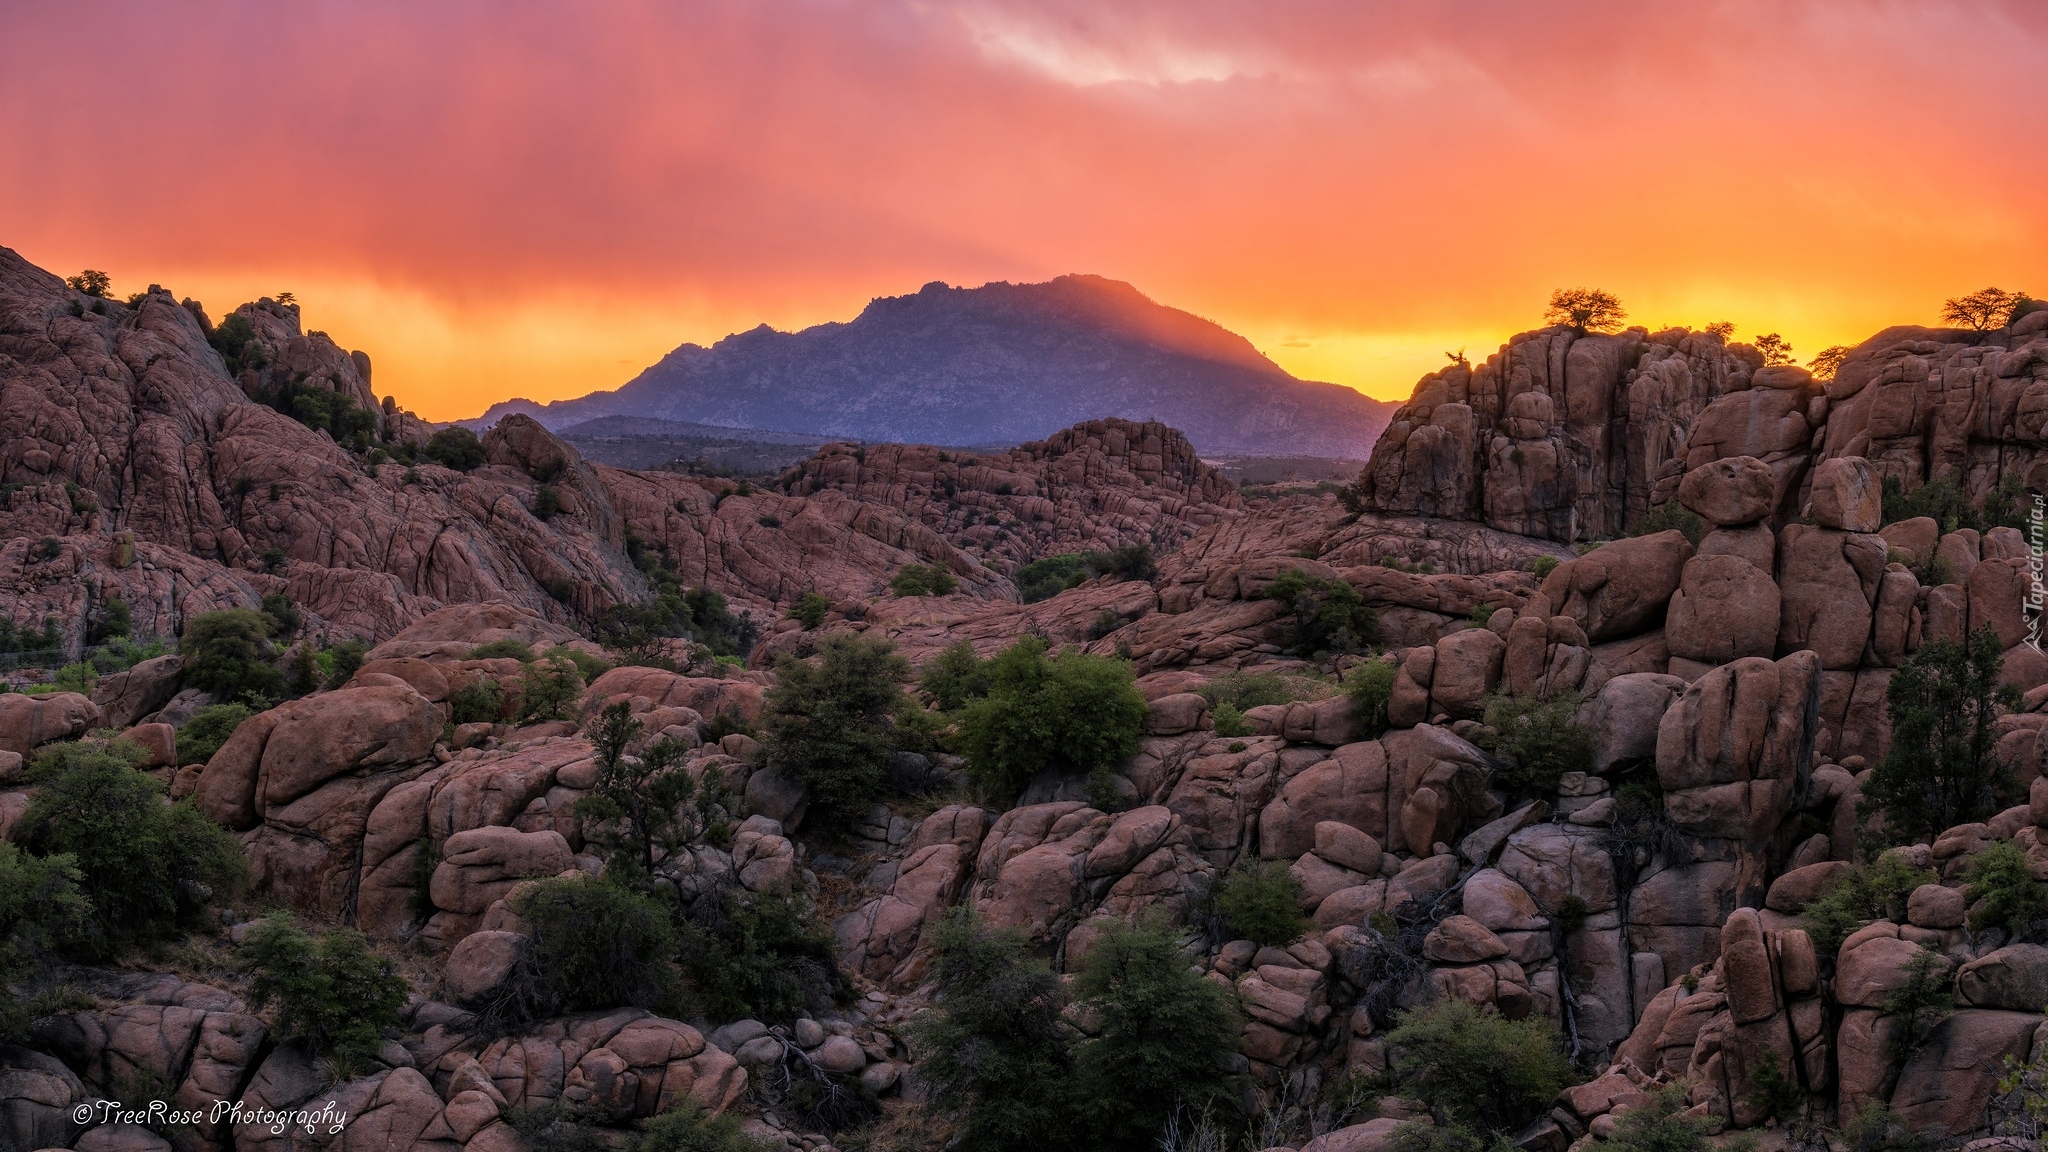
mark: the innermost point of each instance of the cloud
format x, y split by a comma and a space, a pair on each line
498, 199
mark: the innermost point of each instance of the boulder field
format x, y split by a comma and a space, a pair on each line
1736, 676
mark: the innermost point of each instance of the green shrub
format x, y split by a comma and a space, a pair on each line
547, 503
589, 665
1946, 500
506, 648
41, 912
810, 610
1074, 714
332, 992
1478, 1068
343, 660
995, 1055
207, 730
112, 618
1919, 1005
1260, 901
1247, 690
456, 448
1537, 740
758, 955
1165, 1042
1572, 913
478, 702
1130, 562
1666, 516
1659, 1124
284, 615
724, 724
228, 652
591, 943
548, 688
1048, 576
688, 1128
1371, 687
1879, 1129
1230, 722
923, 580
1330, 618
831, 723
1421, 1136
1859, 895
1543, 566
148, 868
2004, 894
1943, 702
954, 677
1772, 1093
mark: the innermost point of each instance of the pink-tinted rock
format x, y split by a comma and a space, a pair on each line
1731, 491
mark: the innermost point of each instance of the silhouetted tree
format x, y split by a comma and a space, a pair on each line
1944, 702
1828, 360
92, 282
1983, 310
1775, 348
1585, 309
1722, 328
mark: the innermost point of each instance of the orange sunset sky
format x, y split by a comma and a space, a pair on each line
538, 199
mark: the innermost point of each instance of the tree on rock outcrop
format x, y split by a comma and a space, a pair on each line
456, 448
41, 912
1585, 310
92, 282
1775, 348
1330, 617
1944, 702
1476, 1069
1828, 361
1984, 310
640, 804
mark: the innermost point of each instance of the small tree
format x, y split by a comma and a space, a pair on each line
456, 447
332, 992
1944, 702
1075, 714
549, 687
1260, 901
228, 652
1918, 1006
481, 701
995, 1056
92, 282
1478, 1068
1585, 310
1983, 310
1660, 1124
1722, 328
763, 955
1828, 361
1859, 895
1775, 349
641, 804
1166, 1037
830, 723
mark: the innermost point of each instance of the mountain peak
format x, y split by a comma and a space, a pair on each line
1001, 363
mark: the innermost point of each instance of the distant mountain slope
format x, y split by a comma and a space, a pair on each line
1003, 363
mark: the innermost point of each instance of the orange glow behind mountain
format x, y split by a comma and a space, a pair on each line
540, 199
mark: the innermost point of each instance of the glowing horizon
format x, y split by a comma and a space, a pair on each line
541, 201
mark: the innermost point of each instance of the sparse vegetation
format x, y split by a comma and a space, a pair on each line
923, 580
1860, 895
1943, 702
1945, 501
1919, 1005
1774, 348
810, 610
455, 447
2004, 894
1985, 310
42, 912
481, 701
548, 688
228, 652
1662, 518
